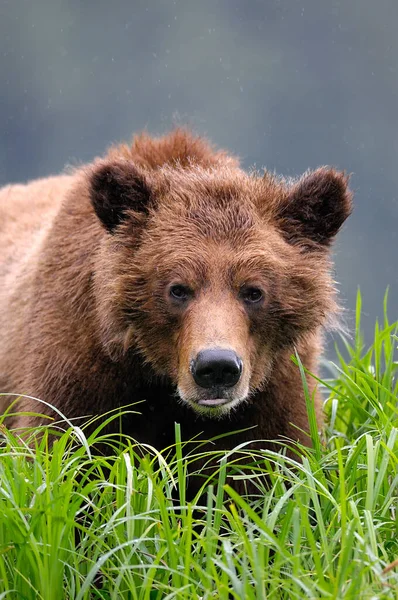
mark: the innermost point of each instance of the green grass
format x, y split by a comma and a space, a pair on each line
75, 525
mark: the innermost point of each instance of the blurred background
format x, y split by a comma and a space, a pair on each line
288, 85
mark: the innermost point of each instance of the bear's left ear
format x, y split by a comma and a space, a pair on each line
115, 188
315, 208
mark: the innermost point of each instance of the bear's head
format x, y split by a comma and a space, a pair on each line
210, 273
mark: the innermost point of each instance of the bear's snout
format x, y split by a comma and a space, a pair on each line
216, 368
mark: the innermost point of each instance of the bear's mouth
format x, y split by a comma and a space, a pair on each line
213, 401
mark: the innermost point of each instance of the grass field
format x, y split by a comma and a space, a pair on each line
79, 526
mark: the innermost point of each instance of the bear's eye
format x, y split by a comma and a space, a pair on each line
179, 292
251, 295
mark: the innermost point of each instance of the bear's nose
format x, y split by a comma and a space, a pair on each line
216, 367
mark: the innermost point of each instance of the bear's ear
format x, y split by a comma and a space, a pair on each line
315, 208
116, 187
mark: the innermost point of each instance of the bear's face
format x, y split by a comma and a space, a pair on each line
210, 274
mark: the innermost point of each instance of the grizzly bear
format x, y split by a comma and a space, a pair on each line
166, 274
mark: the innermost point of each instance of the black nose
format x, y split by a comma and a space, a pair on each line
216, 367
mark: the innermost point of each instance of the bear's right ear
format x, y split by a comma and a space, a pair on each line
115, 188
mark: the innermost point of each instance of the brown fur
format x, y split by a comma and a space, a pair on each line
86, 319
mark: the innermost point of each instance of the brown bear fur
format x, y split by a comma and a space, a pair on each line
87, 319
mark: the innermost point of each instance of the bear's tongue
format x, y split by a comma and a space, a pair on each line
213, 401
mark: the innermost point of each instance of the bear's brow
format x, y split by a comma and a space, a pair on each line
249, 269
220, 223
